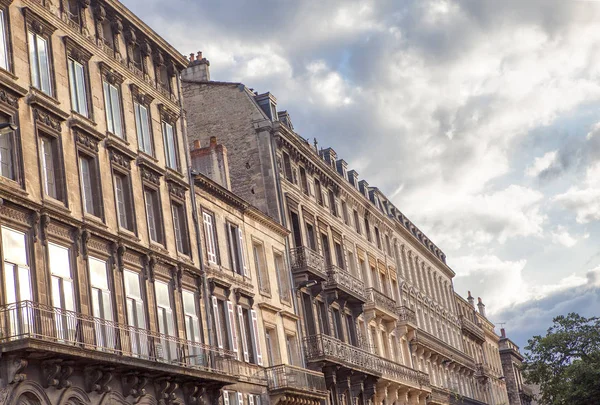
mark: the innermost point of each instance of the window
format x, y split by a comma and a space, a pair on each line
210, 237
170, 146
124, 200
253, 399
356, 222
332, 206
4, 57
338, 332
233, 398
101, 302
90, 185
153, 216
8, 152
224, 318
367, 229
79, 102
292, 349
236, 250
261, 268
72, 10
142, 124
17, 277
136, 316
377, 237
310, 236
387, 245
250, 321
52, 173
112, 105
63, 293
272, 346
287, 167
39, 62
318, 193
304, 181
283, 278
166, 322
180, 227
192, 327
345, 212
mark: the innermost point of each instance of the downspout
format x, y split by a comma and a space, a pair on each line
205, 292
287, 250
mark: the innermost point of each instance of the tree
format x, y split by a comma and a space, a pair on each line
566, 362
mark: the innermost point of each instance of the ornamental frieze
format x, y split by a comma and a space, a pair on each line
86, 140
46, 119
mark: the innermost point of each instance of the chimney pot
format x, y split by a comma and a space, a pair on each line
213, 141
191, 57
199, 55
196, 144
503, 332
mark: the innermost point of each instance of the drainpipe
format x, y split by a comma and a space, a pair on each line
283, 220
205, 292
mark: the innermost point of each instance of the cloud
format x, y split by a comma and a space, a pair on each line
541, 163
583, 199
562, 237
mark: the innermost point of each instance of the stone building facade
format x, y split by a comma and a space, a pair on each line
101, 281
374, 294
518, 392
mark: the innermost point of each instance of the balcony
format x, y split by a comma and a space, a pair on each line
438, 396
472, 328
436, 345
251, 373
324, 348
403, 375
350, 286
291, 380
381, 303
406, 316
483, 371
306, 260
30, 326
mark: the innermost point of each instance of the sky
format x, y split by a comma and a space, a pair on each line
479, 119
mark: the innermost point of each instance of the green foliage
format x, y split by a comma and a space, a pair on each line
566, 362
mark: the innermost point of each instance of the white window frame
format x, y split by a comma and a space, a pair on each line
170, 144
143, 128
210, 236
77, 85
40, 72
112, 106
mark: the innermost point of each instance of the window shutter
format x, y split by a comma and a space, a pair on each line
251, 399
210, 238
234, 260
259, 360
240, 398
243, 255
243, 333
232, 331
217, 322
225, 398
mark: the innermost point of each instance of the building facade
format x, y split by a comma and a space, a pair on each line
101, 282
512, 361
378, 310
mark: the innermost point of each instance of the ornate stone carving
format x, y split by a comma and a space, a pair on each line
14, 369
139, 96
165, 390
134, 385
193, 393
9, 99
46, 119
56, 373
150, 176
86, 140
120, 159
35, 220
149, 262
97, 379
85, 238
45, 223
77, 241
176, 190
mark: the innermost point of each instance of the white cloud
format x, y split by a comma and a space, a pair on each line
562, 237
541, 163
584, 199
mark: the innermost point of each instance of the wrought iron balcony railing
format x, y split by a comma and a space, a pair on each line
305, 259
324, 347
439, 346
473, 328
28, 320
405, 314
284, 377
342, 279
381, 301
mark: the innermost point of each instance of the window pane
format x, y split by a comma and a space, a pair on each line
3, 42
162, 294
121, 190
132, 284
73, 86
13, 243
6, 156
81, 92
48, 166
86, 183
108, 108
115, 103
42, 49
98, 275
146, 130
60, 264
33, 61
170, 151
151, 215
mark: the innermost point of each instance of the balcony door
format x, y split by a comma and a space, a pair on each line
166, 324
136, 316
17, 281
101, 304
192, 328
63, 293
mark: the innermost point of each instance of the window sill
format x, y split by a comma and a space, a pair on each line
13, 186
115, 137
146, 156
126, 233
174, 172
56, 204
266, 294
91, 218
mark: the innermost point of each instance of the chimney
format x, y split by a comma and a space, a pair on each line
197, 70
503, 333
211, 161
481, 306
471, 300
